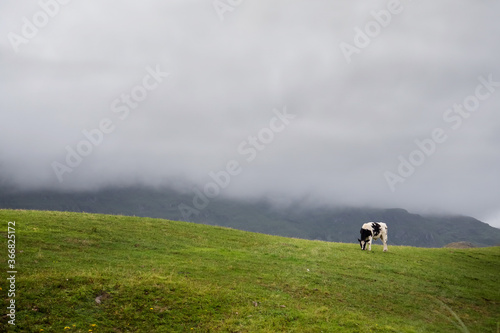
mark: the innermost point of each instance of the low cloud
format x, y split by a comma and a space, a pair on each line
225, 77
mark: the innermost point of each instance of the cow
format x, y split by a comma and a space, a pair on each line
370, 231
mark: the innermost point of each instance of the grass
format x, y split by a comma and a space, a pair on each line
102, 273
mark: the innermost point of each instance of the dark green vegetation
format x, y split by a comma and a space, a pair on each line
129, 274
297, 219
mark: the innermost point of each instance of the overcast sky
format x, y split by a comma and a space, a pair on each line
324, 99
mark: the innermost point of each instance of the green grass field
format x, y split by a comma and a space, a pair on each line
101, 273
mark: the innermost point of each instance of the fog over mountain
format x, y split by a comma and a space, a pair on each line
382, 104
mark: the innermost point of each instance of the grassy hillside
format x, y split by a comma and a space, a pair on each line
101, 273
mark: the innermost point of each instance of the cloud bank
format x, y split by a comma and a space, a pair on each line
384, 97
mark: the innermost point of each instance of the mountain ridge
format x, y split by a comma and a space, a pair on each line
296, 219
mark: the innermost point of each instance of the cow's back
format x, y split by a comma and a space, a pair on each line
378, 229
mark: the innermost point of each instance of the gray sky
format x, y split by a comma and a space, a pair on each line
325, 99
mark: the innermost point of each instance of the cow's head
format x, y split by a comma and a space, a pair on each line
365, 238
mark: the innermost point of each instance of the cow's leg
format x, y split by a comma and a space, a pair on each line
370, 244
384, 240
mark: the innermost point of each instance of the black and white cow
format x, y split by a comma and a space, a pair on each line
370, 231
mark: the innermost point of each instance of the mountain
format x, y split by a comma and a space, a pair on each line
296, 219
